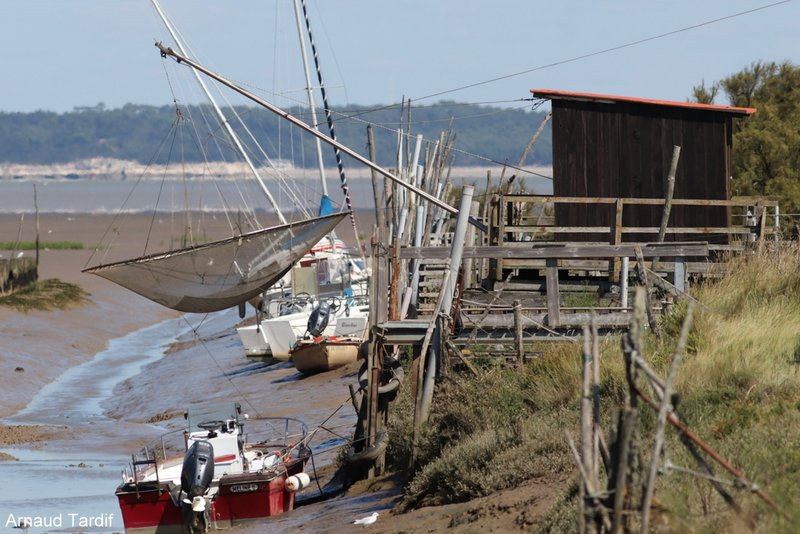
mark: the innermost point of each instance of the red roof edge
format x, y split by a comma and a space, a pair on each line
611, 99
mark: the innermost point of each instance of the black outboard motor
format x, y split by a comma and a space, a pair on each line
198, 469
318, 319
196, 477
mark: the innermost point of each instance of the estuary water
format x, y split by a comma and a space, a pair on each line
87, 196
70, 486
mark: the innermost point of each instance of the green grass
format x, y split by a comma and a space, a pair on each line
31, 245
52, 294
481, 437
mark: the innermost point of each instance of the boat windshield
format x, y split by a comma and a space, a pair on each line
211, 412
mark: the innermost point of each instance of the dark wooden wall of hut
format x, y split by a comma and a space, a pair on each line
624, 150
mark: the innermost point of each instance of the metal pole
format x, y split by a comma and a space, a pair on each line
310, 94
448, 290
457, 250
623, 283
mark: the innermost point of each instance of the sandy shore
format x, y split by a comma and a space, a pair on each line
43, 344
39, 346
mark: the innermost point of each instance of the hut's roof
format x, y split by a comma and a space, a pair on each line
613, 99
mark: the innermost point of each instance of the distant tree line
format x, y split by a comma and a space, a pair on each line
192, 133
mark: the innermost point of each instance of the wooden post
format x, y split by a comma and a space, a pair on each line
394, 307
380, 199
642, 271
661, 422
378, 313
623, 283
36, 207
495, 267
668, 193
487, 200
619, 476
553, 304
586, 424
679, 275
616, 239
596, 430
534, 138
761, 213
469, 269
501, 232
518, 332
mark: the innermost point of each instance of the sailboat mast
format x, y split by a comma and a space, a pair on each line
166, 51
310, 94
221, 116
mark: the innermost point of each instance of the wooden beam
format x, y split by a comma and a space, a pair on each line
553, 297
541, 251
538, 320
636, 201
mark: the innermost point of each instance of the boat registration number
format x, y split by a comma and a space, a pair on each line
244, 488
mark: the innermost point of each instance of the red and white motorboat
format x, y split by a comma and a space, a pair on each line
209, 477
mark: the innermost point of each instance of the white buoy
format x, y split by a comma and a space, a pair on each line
298, 482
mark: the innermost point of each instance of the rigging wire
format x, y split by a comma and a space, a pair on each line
202, 148
595, 53
119, 212
538, 103
223, 140
356, 117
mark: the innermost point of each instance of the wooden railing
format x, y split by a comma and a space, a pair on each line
529, 218
533, 220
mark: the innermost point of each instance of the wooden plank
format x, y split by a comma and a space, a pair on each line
538, 251
553, 297
739, 202
538, 320
559, 199
614, 268
540, 230
686, 230
560, 229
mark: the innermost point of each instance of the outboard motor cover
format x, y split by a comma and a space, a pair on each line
318, 319
198, 469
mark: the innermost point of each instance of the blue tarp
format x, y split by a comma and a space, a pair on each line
326, 206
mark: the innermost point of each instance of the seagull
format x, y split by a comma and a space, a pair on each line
367, 520
20, 254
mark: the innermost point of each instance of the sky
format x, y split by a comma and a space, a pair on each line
57, 55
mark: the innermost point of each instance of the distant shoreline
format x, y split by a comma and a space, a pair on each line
116, 169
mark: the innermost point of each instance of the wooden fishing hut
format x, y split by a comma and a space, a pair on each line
621, 147
634, 170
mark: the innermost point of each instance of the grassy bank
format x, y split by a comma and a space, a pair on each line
738, 389
52, 294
